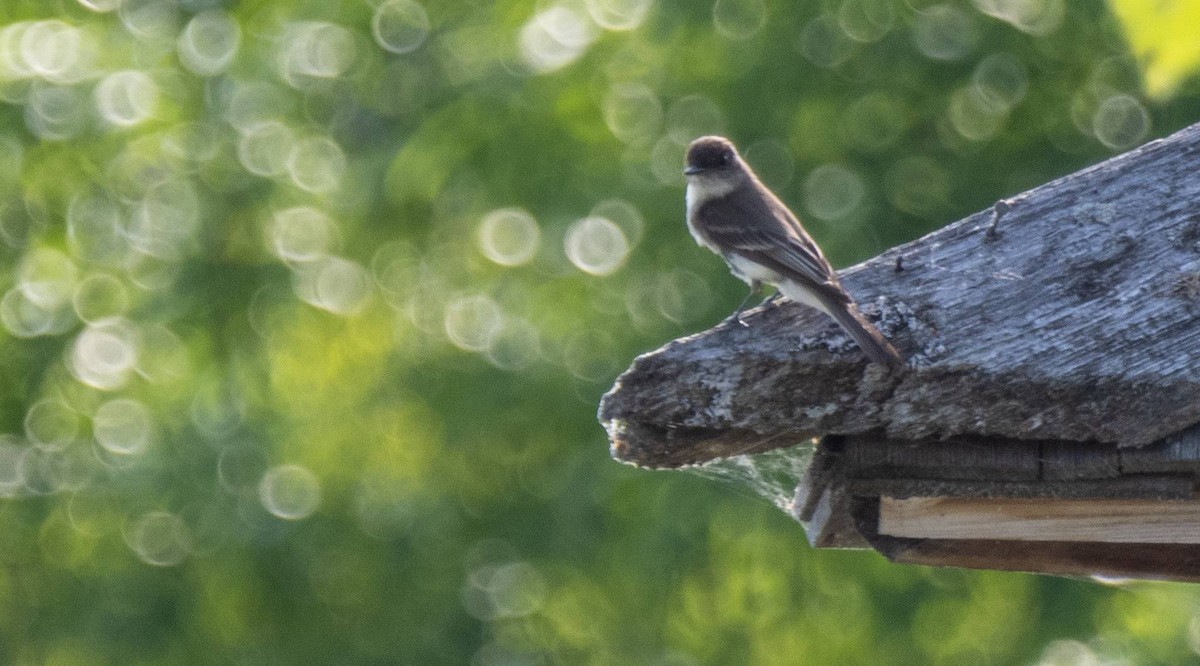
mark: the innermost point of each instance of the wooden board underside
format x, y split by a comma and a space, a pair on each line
1149, 561
1033, 519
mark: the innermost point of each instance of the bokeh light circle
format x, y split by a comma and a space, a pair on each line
290, 492
334, 284
400, 26
316, 164
263, 148
833, 191
633, 112
300, 234
56, 113
159, 538
51, 49
12, 465
739, 19
126, 98
1121, 122
99, 296
509, 236
554, 38
618, 14
123, 426
209, 43
866, 20
693, 116
96, 226
497, 591
51, 424
24, 318
624, 215
314, 50
1036, 17
1001, 80
596, 245
945, 32
823, 42
974, 115
48, 277
473, 322
104, 354
101, 6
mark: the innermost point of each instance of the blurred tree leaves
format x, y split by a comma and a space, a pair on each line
1161, 35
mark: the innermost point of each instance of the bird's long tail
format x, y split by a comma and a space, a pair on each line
869, 338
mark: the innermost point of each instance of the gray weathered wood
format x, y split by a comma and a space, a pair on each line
1161, 561
832, 524
846, 471
1024, 519
952, 459
1068, 461
1153, 561
1142, 486
1179, 452
1078, 321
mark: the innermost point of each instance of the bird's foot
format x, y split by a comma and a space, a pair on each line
736, 318
737, 314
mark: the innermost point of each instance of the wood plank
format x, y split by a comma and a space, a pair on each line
1034, 519
1069, 461
1137, 486
1178, 452
823, 469
957, 458
1153, 561
832, 525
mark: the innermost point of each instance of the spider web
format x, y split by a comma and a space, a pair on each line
772, 475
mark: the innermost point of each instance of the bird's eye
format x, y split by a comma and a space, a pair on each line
725, 157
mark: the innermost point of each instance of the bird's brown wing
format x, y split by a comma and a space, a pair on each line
765, 232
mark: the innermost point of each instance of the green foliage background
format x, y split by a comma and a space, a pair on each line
303, 334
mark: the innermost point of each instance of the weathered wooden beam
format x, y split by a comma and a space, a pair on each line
1142, 486
831, 522
1158, 561
1173, 562
846, 471
1042, 519
992, 459
1078, 320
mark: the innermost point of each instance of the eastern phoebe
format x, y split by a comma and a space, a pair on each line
730, 212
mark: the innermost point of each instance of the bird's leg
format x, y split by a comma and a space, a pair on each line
755, 285
774, 298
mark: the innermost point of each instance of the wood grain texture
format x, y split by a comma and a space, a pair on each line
1033, 519
1144, 561
1079, 321
1007, 461
991, 474
1171, 561
1141, 486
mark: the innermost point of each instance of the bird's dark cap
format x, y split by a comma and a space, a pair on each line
709, 153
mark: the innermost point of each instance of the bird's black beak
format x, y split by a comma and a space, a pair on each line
692, 170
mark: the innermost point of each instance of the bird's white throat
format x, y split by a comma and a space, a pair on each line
704, 188
700, 190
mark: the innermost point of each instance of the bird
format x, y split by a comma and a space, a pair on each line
730, 212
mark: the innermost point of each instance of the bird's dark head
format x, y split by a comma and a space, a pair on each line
711, 155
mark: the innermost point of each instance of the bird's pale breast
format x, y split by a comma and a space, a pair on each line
701, 190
